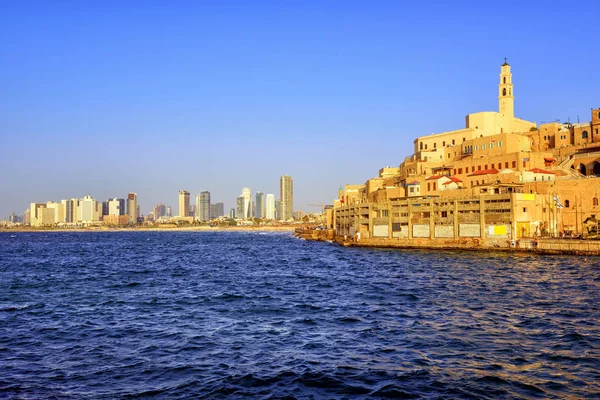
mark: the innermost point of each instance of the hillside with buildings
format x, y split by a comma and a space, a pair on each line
499, 179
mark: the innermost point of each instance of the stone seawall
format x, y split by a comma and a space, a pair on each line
529, 245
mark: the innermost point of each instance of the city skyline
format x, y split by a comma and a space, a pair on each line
82, 84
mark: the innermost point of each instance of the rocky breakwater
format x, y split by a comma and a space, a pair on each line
309, 233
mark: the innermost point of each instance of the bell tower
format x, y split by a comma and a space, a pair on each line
506, 98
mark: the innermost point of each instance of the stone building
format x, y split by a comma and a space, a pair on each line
548, 175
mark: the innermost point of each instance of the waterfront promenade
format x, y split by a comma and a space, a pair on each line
538, 245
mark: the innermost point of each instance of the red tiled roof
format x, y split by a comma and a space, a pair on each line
454, 179
484, 172
541, 171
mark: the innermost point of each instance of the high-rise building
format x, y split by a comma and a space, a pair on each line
162, 211
278, 209
232, 213
184, 203
247, 195
240, 207
89, 210
132, 208
192, 211
217, 210
260, 205
287, 197
270, 206
169, 212
71, 212
116, 206
204, 206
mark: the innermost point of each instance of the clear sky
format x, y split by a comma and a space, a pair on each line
150, 97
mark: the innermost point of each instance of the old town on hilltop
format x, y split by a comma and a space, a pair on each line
498, 180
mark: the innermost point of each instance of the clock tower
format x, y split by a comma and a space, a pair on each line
506, 98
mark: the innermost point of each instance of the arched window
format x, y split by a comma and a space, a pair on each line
421, 146
510, 92
504, 79
426, 146
584, 134
567, 203
504, 92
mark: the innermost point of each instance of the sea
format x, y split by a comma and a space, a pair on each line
248, 315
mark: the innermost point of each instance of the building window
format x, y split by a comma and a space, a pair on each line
524, 164
434, 145
584, 134
454, 171
595, 202
473, 168
500, 144
504, 92
483, 146
506, 164
504, 80
421, 146
460, 171
567, 203
524, 209
444, 214
425, 146
384, 213
428, 187
444, 143
476, 148
452, 141
491, 145
514, 164
448, 155
485, 167
434, 186
479, 168
412, 189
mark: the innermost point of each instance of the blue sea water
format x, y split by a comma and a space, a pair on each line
248, 315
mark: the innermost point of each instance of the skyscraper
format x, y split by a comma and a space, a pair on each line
217, 210
287, 197
132, 208
270, 206
260, 205
247, 195
116, 206
204, 206
184, 203
240, 207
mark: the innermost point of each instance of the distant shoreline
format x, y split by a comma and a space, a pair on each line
282, 228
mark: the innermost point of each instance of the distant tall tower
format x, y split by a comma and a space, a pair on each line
260, 205
506, 96
270, 206
287, 197
247, 195
184, 203
132, 208
204, 209
239, 207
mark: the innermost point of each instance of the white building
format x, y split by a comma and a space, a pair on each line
270, 206
247, 195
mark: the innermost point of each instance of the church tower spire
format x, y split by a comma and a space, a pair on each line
506, 98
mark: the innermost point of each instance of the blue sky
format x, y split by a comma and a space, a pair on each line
153, 97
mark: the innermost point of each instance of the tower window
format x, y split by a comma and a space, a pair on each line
510, 92
584, 134
504, 92
504, 79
